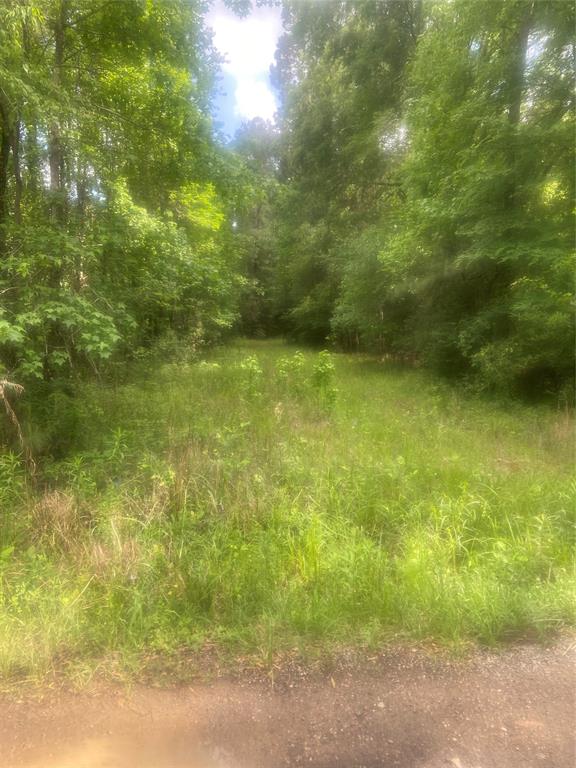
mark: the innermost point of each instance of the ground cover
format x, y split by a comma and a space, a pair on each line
266, 499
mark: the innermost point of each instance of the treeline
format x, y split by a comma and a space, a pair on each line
426, 170
414, 197
115, 198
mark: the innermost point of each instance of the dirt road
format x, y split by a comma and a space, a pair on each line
403, 709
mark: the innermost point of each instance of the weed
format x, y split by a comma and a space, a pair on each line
323, 379
250, 377
215, 505
291, 374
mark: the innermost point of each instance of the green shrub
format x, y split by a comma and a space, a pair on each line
251, 377
322, 379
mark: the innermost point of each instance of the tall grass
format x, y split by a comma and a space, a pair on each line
266, 498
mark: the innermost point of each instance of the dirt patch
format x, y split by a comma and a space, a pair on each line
403, 709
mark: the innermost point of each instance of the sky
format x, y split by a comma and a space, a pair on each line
248, 45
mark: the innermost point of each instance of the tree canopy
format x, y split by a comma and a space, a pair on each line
428, 158
415, 196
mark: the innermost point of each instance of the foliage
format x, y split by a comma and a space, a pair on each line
291, 373
414, 199
270, 523
427, 211
323, 379
114, 202
250, 376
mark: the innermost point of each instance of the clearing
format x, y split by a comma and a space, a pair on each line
271, 504
269, 499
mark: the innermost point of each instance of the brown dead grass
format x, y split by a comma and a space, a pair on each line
58, 519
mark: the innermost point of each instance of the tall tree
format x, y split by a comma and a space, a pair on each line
489, 188
341, 70
428, 156
257, 144
113, 194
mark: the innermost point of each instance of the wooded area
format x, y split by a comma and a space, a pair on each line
407, 220
414, 198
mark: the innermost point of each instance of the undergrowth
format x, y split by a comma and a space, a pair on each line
267, 499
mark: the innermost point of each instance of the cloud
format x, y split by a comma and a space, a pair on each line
254, 99
248, 45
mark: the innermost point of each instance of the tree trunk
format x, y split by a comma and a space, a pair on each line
17, 173
55, 153
58, 206
518, 68
4, 161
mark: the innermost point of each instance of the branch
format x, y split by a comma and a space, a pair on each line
17, 389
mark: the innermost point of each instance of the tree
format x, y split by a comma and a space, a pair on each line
111, 199
257, 145
427, 157
489, 190
341, 69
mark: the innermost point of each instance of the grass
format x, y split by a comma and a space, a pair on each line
260, 501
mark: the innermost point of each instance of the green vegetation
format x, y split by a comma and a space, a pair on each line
267, 498
115, 198
426, 153
414, 198
412, 202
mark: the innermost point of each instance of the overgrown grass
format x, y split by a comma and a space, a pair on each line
262, 501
